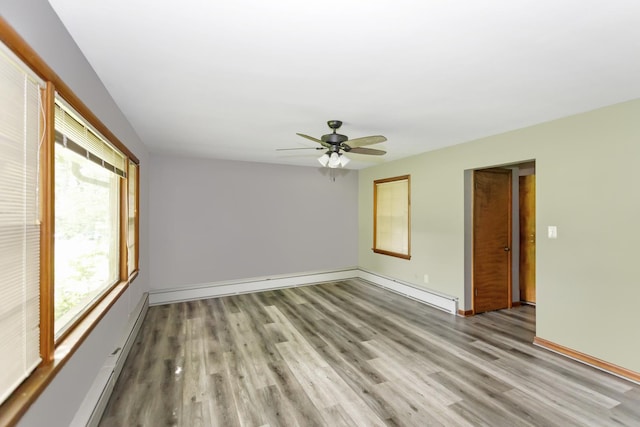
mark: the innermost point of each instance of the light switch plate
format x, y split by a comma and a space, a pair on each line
553, 232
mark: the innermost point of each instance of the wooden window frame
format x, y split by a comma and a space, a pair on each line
383, 251
56, 354
136, 257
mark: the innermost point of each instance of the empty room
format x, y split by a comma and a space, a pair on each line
319, 213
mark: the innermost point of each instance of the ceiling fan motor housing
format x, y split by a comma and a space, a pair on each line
334, 138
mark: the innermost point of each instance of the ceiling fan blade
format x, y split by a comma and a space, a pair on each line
365, 140
324, 144
309, 137
301, 148
371, 151
312, 139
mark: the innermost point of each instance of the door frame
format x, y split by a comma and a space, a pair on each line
467, 308
523, 237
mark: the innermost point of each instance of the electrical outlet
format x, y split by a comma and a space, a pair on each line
426, 278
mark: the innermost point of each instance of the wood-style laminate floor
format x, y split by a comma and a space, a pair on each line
352, 354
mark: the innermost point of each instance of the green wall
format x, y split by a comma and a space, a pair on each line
588, 284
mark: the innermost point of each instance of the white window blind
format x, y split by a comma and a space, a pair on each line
19, 222
74, 134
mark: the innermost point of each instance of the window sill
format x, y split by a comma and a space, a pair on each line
17, 404
395, 254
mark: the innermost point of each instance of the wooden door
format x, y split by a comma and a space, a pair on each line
491, 240
528, 238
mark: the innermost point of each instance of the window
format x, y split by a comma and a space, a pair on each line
20, 115
61, 171
87, 212
391, 216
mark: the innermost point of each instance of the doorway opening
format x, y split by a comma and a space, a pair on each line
499, 237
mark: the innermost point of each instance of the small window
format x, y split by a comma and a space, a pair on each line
391, 216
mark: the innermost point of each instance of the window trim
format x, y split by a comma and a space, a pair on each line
55, 355
375, 248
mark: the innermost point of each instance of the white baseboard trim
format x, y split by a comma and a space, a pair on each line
443, 302
98, 396
220, 289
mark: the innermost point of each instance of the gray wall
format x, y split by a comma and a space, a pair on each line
38, 24
214, 220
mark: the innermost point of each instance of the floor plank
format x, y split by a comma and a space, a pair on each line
348, 353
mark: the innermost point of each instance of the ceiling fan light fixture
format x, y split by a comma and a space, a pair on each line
334, 160
324, 159
344, 160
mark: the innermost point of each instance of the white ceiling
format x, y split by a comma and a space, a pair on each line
238, 79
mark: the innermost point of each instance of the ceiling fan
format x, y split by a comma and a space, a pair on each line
335, 143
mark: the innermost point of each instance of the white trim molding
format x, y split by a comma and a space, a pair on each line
258, 284
98, 395
443, 302
219, 289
